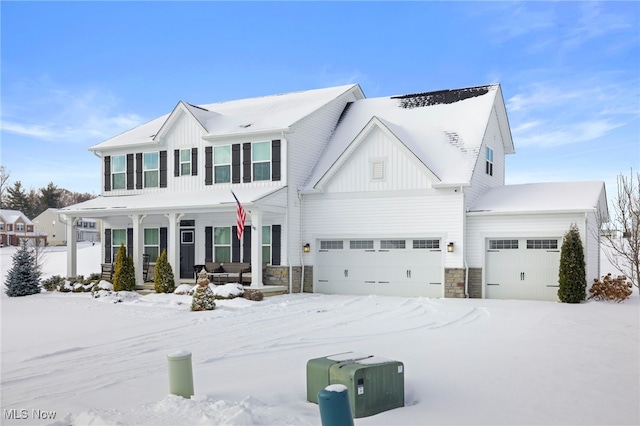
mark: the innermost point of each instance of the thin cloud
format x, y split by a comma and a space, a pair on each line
555, 135
55, 114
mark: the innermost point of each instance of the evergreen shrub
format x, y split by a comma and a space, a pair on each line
572, 274
23, 279
124, 275
163, 278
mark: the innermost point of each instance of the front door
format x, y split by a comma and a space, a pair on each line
187, 252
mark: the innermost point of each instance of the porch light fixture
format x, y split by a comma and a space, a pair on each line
306, 248
450, 247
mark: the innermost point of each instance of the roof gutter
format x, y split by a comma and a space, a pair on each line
536, 212
251, 134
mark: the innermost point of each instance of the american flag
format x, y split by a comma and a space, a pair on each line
241, 215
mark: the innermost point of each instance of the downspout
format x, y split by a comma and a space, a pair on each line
300, 251
464, 246
288, 223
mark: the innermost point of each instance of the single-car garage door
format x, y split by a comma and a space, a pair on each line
393, 267
522, 268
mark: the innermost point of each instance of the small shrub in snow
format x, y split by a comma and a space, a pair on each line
572, 275
52, 283
203, 299
228, 291
609, 288
163, 278
124, 275
183, 289
23, 279
253, 294
94, 277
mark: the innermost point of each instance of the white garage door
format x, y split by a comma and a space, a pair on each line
522, 268
393, 267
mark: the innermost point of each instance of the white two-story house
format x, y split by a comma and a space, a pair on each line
401, 195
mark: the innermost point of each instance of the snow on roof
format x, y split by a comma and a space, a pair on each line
11, 216
182, 201
443, 129
543, 197
251, 115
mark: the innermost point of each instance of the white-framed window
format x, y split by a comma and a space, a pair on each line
392, 244
331, 245
426, 244
20, 227
261, 160
266, 244
222, 244
503, 244
542, 244
118, 236
222, 164
1, 226
361, 244
152, 243
489, 163
185, 162
151, 169
118, 172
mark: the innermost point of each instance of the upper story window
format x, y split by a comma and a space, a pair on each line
1, 226
222, 163
151, 169
20, 227
118, 172
489, 163
261, 160
185, 162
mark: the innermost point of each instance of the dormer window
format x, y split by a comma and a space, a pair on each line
489, 161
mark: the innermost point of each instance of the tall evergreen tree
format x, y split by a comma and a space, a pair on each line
124, 275
163, 278
23, 279
17, 198
49, 198
572, 273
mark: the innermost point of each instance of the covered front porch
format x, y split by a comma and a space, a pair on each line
193, 228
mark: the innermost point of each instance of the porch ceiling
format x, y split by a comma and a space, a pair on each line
179, 202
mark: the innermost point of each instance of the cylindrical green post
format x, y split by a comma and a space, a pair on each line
180, 374
335, 409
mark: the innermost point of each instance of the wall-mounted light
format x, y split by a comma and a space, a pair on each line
450, 247
306, 248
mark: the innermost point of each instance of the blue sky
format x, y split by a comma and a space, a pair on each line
76, 73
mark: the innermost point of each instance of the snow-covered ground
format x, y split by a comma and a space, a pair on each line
91, 361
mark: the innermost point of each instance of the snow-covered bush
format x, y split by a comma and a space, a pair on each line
183, 289
572, 275
609, 288
228, 291
52, 283
23, 279
253, 294
124, 275
163, 278
203, 297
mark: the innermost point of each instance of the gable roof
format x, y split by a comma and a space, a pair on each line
11, 216
443, 129
543, 197
237, 117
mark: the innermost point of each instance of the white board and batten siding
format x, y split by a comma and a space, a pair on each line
520, 254
306, 140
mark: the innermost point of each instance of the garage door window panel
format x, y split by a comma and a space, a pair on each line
503, 244
393, 244
331, 245
542, 244
426, 244
361, 245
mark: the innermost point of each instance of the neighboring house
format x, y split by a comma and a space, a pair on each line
15, 226
400, 195
49, 222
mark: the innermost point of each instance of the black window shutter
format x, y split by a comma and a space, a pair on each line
130, 242
139, 170
246, 162
235, 245
276, 239
246, 244
107, 245
107, 174
194, 161
163, 169
275, 160
208, 165
129, 171
208, 244
163, 239
176, 162
235, 163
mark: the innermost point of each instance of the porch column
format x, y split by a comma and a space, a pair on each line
72, 251
256, 248
173, 246
137, 219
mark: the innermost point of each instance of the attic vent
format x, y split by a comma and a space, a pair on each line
440, 97
377, 169
196, 106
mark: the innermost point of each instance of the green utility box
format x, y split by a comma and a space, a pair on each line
375, 384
